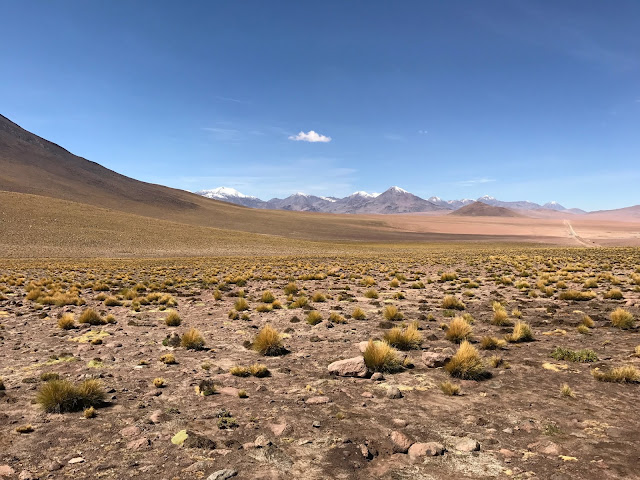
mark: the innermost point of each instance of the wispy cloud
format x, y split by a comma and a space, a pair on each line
232, 100
311, 137
394, 137
422, 132
474, 181
223, 133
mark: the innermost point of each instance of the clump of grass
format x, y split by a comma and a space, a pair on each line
291, 288
381, 357
467, 364
583, 329
368, 281
173, 319
394, 283
242, 394
449, 388
268, 342
24, 428
265, 307
241, 304
408, 338
267, 297
91, 317
358, 314
492, 343
314, 317
66, 321
259, 370
622, 319
458, 330
500, 315
90, 412
636, 353
495, 361
587, 321
521, 333
318, 297
112, 302
516, 313
576, 295
48, 376
448, 277
391, 313
300, 302
206, 387
566, 391
614, 294
239, 371
159, 382
371, 293
61, 396
580, 356
336, 318
452, 303
168, 359
624, 374
192, 340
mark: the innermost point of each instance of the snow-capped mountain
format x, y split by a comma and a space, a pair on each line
231, 195
393, 200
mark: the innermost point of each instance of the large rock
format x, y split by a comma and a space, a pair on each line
350, 367
467, 445
435, 359
429, 449
401, 442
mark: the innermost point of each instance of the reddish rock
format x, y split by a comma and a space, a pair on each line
317, 400
401, 442
429, 449
350, 367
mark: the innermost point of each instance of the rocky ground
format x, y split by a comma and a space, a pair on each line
303, 421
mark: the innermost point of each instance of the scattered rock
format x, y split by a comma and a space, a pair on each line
467, 445
54, 466
398, 422
130, 431
195, 440
261, 442
377, 377
429, 449
222, 474
6, 470
367, 395
350, 367
317, 400
138, 443
435, 359
394, 392
26, 475
279, 428
316, 424
76, 460
156, 417
401, 442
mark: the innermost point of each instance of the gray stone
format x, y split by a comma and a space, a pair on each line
350, 367
222, 474
435, 359
394, 392
467, 445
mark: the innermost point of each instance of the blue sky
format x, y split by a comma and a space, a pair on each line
516, 99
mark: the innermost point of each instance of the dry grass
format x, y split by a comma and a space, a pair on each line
458, 330
580, 356
159, 382
575, 295
241, 305
521, 333
391, 313
466, 363
66, 321
173, 319
452, 303
622, 319
192, 340
314, 317
614, 294
449, 388
168, 359
492, 343
408, 338
267, 297
500, 315
358, 314
566, 391
381, 357
624, 374
91, 317
371, 293
268, 342
239, 371
61, 396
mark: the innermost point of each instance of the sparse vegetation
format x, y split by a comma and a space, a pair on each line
622, 319
623, 374
268, 342
580, 356
466, 363
61, 396
449, 388
392, 313
172, 319
381, 357
521, 333
408, 338
452, 303
192, 340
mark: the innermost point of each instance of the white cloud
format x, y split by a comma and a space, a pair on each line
475, 181
312, 137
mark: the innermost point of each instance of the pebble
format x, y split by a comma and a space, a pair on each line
222, 474
394, 392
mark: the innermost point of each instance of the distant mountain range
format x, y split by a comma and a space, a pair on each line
393, 200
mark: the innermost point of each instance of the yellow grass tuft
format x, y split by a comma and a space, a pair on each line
404, 339
268, 342
466, 363
381, 357
458, 330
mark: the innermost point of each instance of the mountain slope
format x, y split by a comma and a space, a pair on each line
480, 209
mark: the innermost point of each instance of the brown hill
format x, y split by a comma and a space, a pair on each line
479, 209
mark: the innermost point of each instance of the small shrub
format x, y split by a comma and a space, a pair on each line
492, 343
268, 342
404, 339
242, 394
206, 387
291, 288
91, 317
318, 297
521, 333
314, 317
173, 319
336, 318
448, 277
267, 297
452, 303
371, 293
458, 330
495, 361
112, 302
66, 321
265, 307
391, 313
358, 314
624, 374
239, 371
614, 294
449, 388
24, 429
240, 305
258, 370
90, 412
576, 295
192, 340
621, 318
583, 329
159, 382
500, 315
381, 357
300, 302
61, 396
466, 363
48, 376
168, 359
587, 321
580, 356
